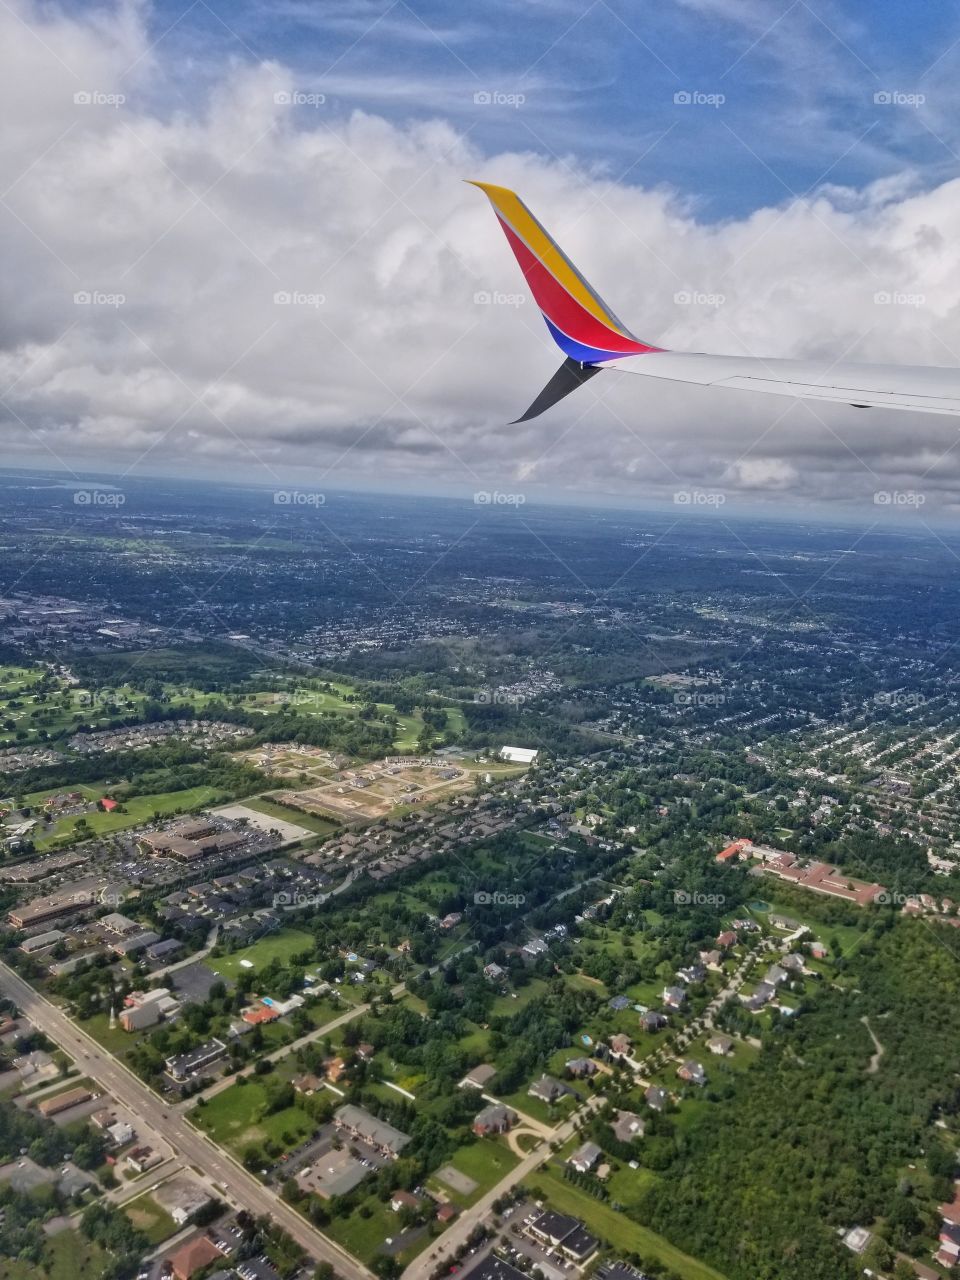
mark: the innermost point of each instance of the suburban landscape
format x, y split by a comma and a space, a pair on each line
417, 956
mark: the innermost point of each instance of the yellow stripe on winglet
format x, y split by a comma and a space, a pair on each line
509, 205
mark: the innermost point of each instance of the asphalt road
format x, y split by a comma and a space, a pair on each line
194, 1148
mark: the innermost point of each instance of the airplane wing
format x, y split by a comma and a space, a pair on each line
922, 388
592, 338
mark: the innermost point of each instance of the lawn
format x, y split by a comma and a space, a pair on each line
275, 946
616, 1229
148, 1217
363, 1236
486, 1161
235, 1119
313, 822
137, 810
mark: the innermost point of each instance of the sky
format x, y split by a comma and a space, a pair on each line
237, 242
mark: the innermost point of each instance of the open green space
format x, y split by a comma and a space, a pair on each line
147, 1216
486, 1161
273, 809
238, 1117
136, 811
616, 1229
275, 946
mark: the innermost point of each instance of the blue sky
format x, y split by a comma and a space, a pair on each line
798, 82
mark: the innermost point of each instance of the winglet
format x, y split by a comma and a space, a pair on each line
580, 322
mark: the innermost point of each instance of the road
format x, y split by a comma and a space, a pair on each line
194, 1148
457, 1234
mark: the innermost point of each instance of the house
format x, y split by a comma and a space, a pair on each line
547, 1089
192, 1256
656, 1098
494, 972
948, 1255
627, 1126
674, 997
712, 959
308, 1083
792, 962
775, 975
564, 1233
727, 939
950, 1212
618, 1004
761, 997
496, 1118
140, 1159
621, 1045
692, 973
533, 949
721, 1045
581, 1068
478, 1077
403, 1200
692, 1073
652, 1020
364, 1127
121, 1133
585, 1157
447, 1212
451, 920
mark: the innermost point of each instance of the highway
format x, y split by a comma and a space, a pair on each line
193, 1148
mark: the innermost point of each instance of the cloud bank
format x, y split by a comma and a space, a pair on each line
261, 283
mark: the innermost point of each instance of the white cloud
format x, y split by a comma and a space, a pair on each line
382, 367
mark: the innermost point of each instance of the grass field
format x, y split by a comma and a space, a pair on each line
235, 1119
66, 1256
486, 1161
138, 810
616, 1229
312, 821
275, 946
148, 1217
